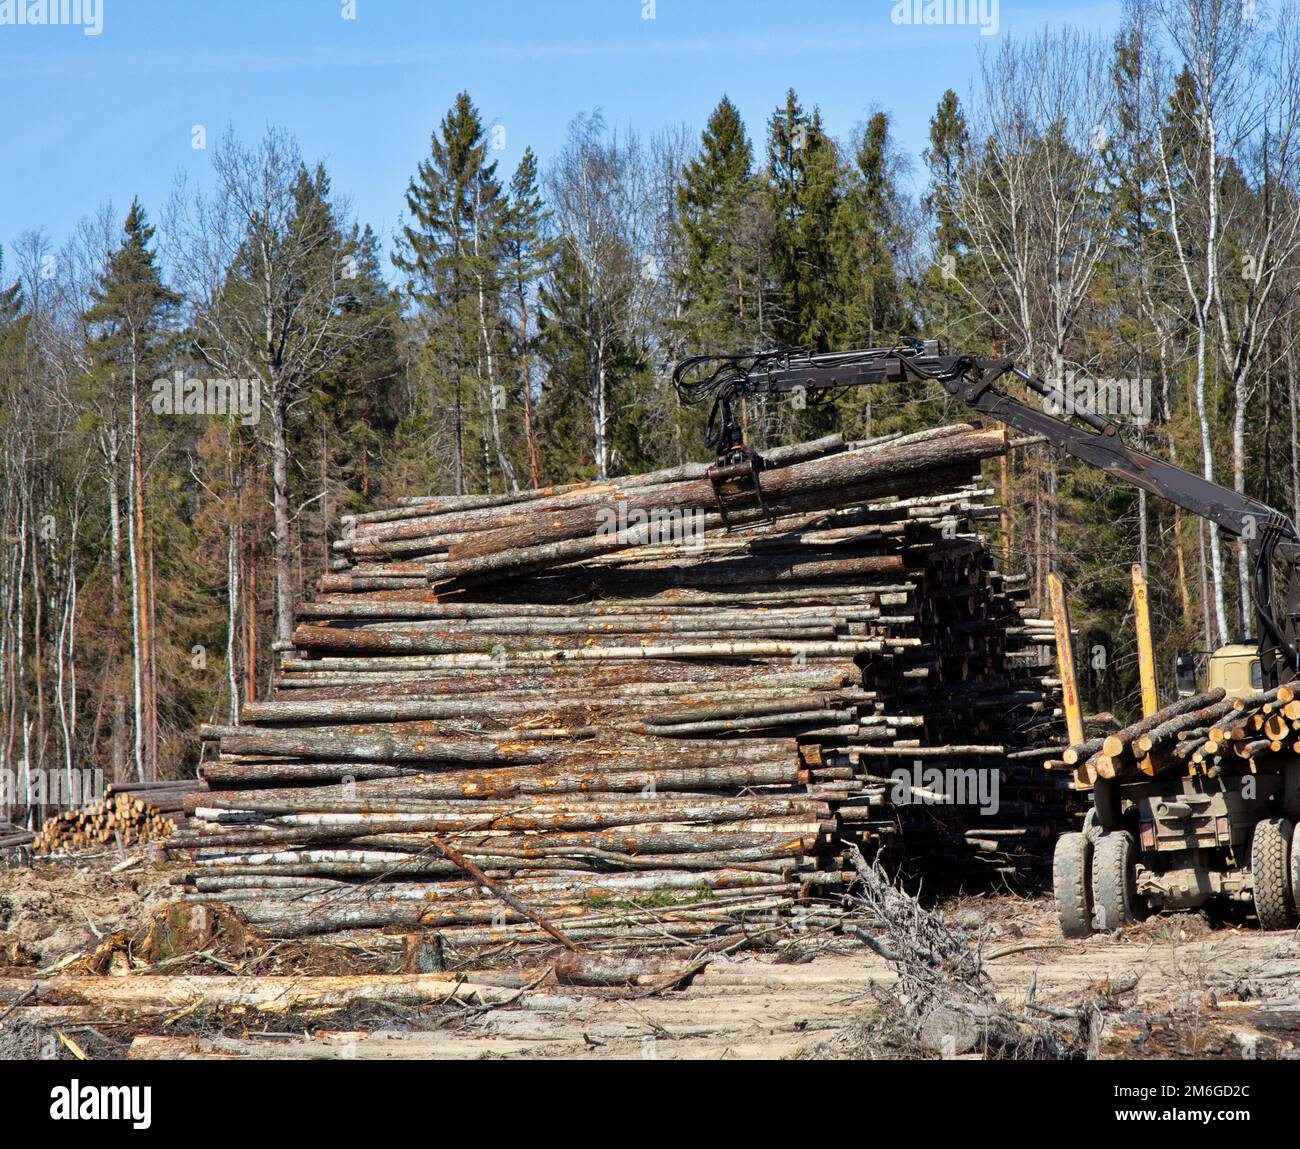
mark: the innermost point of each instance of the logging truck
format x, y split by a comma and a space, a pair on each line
1168, 834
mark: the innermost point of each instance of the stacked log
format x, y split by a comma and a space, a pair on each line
12, 836
130, 813
599, 713
1204, 733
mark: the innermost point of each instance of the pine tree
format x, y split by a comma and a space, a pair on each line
131, 305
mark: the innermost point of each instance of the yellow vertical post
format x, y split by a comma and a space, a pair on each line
1146, 659
1065, 658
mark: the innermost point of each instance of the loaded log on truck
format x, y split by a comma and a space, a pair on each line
1172, 824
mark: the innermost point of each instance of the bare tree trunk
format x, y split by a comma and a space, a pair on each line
1206, 42
20, 652
1295, 445
1202, 528
66, 657
282, 545
324, 498
1207, 469
250, 624
233, 590
137, 589
460, 440
118, 765
600, 413
528, 384
1039, 573
72, 645
6, 608
1166, 410
37, 653
1268, 438
1239, 484
503, 460
153, 666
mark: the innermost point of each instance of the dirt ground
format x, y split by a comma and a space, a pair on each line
1175, 987
56, 911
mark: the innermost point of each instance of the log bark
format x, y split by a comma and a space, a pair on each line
144, 993
1114, 745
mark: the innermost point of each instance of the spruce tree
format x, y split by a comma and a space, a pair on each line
355, 407
527, 253
716, 282
804, 178
868, 236
804, 186
949, 143
451, 253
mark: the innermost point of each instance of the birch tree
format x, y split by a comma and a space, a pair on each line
597, 188
265, 269
1201, 94
1028, 206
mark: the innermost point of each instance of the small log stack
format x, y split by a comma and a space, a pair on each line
130, 813
600, 704
1204, 733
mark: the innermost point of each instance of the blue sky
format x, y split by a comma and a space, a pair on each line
94, 119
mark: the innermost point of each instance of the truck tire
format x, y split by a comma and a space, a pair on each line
1295, 866
1270, 869
1114, 881
1072, 884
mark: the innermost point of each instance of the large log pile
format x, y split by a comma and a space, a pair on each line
593, 714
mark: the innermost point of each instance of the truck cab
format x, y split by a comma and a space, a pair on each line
1236, 668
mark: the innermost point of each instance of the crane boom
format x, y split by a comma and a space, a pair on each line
1269, 535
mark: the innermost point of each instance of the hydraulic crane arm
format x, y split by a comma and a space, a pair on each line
1270, 536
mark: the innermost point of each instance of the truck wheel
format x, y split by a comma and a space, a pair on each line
1295, 866
1105, 800
1114, 881
1270, 869
1072, 884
